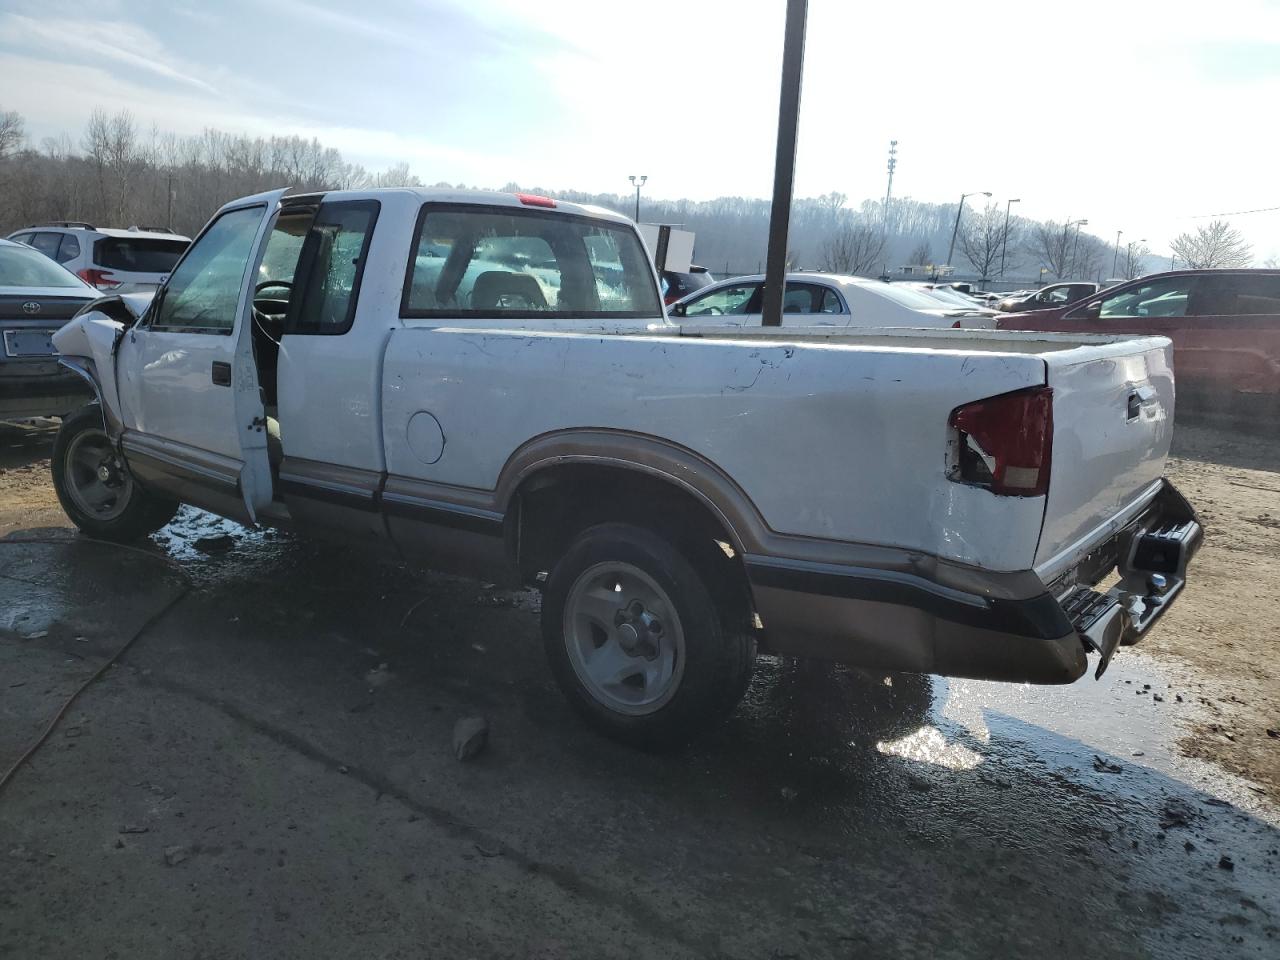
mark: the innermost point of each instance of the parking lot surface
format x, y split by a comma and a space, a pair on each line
268, 770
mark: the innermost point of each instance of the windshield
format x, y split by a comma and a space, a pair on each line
24, 267
900, 294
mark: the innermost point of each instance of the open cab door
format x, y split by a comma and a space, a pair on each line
194, 424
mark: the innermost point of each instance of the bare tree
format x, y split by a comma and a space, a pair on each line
1217, 245
982, 240
853, 249
1133, 258
12, 132
921, 254
1050, 244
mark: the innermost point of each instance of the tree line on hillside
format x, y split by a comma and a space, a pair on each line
119, 175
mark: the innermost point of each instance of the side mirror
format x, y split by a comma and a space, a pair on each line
677, 310
1093, 310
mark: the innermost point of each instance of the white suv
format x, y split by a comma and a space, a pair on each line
136, 260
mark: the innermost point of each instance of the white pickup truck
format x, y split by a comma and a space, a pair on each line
487, 383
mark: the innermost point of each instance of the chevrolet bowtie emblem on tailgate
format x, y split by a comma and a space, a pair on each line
31, 307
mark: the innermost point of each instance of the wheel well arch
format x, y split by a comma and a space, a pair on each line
552, 504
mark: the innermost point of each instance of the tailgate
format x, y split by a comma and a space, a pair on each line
1112, 419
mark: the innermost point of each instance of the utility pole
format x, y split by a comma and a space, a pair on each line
784, 164
169, 215
637, 182
1115, 259
893, 163
1075, 244
956, 229
1004, 239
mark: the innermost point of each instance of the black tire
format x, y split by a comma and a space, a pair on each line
718, 658
141, 513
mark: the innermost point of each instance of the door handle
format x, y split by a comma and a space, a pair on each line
221, 373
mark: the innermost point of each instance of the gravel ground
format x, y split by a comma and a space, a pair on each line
269, 770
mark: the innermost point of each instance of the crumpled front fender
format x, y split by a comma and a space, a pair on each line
86, 345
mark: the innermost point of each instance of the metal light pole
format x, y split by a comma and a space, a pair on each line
956, 229
1117, 253
784, 163
1004, 240
637, 182
1067, 244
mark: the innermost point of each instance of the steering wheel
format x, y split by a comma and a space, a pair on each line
287, 284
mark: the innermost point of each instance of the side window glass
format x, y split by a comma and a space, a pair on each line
70, 248
1237, 294
334, 254
47, 243
830, 301
1059, 295
204, 291
732, 300
1159, 298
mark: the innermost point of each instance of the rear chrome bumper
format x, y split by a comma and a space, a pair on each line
904, 620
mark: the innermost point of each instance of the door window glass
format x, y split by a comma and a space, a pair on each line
47, 243
486, 264
727, 301
203, 292
1237, 294
830, 301
1157, 298
334, 253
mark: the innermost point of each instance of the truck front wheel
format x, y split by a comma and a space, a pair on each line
636, 640
94, 484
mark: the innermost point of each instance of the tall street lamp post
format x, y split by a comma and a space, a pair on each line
637, 182
956, 229
1116, 257
1004, 240
1128, 256
1069, 243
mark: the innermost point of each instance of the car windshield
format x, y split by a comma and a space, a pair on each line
24, 267
899, 293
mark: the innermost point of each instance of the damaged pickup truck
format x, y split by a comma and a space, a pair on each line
487, 384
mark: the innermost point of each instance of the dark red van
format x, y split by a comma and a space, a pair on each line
1224, 324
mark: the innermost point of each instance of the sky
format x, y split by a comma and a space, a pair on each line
1143, 117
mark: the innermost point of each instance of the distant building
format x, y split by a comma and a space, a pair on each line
926, 271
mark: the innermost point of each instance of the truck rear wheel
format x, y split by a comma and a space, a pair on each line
636, 640
94, 484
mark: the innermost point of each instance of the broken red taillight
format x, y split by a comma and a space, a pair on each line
533, 200
1004, 444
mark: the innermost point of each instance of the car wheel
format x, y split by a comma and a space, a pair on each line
636, 640
94, 484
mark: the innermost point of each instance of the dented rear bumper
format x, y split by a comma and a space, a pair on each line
1013, 627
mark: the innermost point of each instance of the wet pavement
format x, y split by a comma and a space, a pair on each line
268, 772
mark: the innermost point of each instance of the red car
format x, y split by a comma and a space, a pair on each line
1224, 324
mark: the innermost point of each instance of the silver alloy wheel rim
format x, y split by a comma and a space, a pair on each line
624, 638
97, 479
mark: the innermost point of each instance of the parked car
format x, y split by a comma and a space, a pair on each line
937, 501
827, 299
1053, 296
36, 297
951, 296
1224, 324
676, 285
114, 261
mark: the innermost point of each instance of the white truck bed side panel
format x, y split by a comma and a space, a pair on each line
828, 441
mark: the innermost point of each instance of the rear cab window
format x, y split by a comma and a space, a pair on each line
138, 254
489, 262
